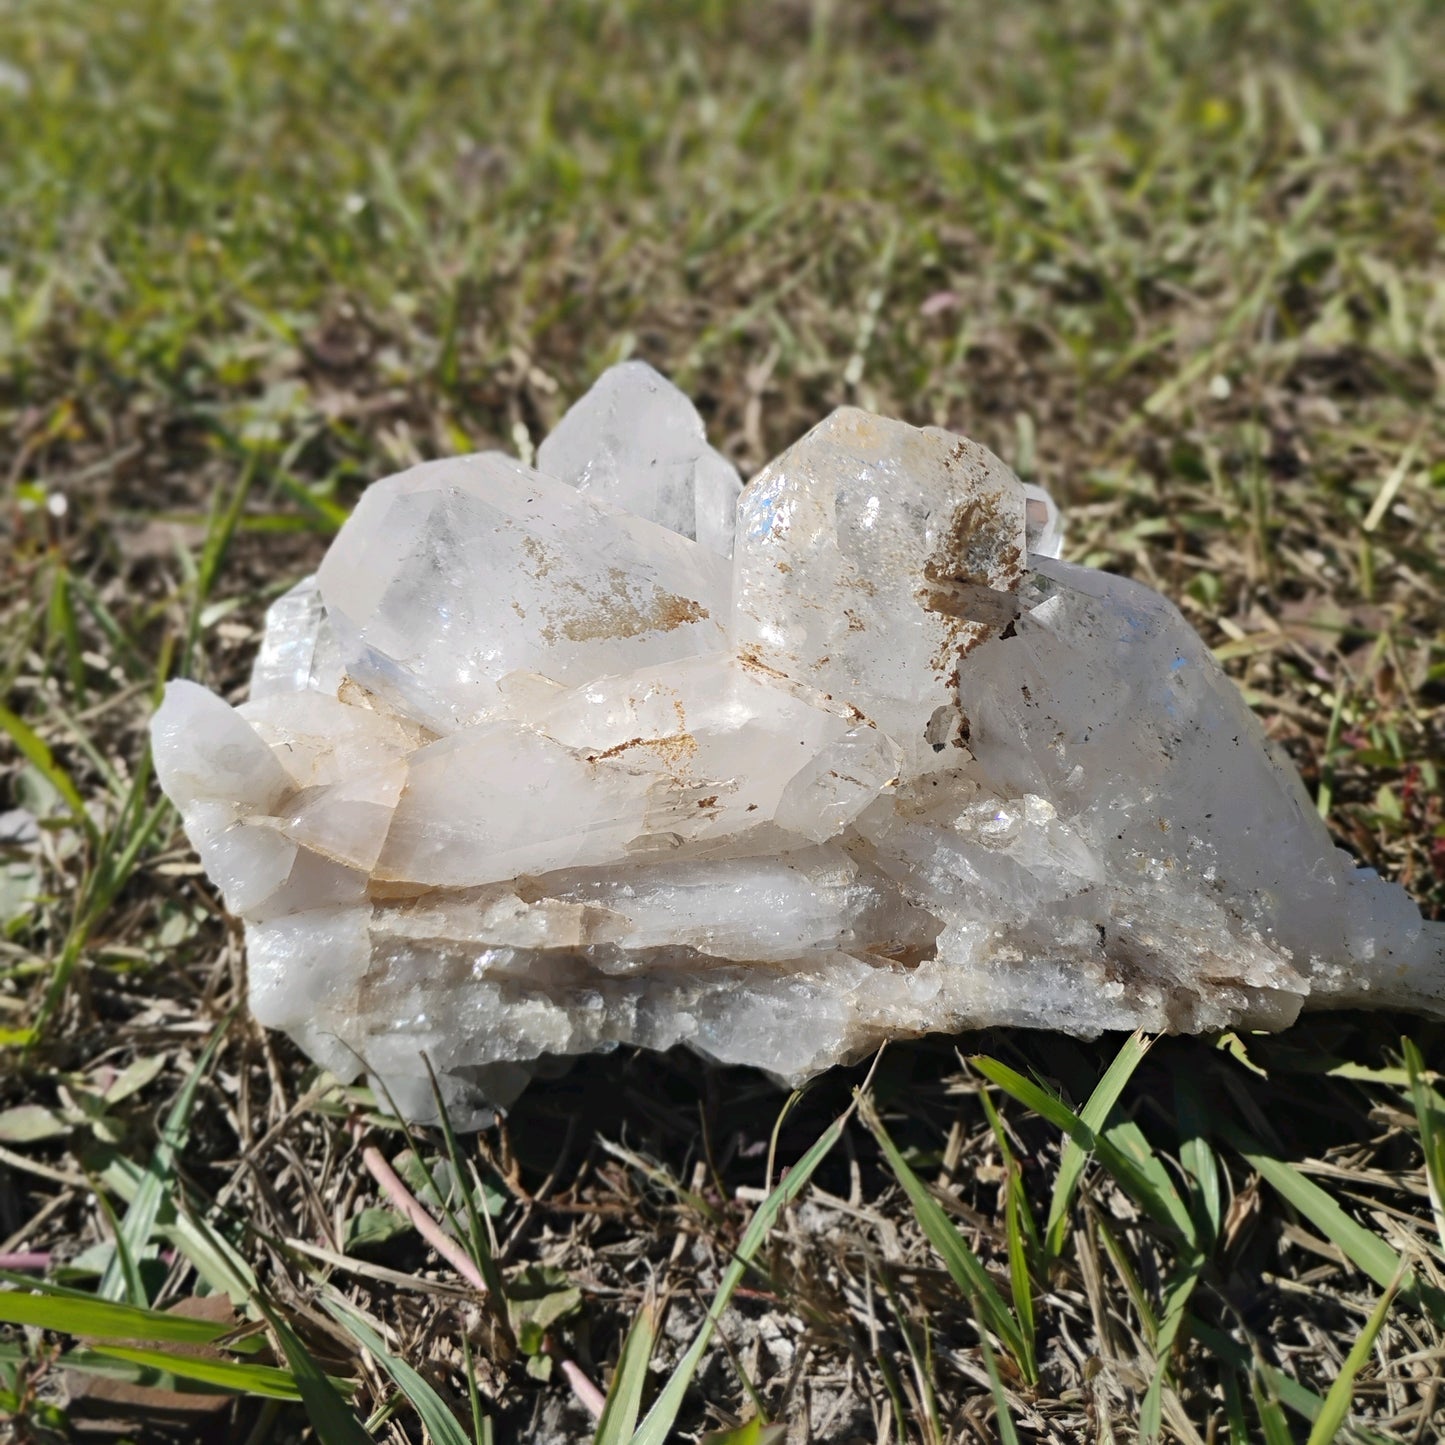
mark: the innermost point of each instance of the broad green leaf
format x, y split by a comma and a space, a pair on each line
541, 1296
134, 1077
30, 1123
372, 1227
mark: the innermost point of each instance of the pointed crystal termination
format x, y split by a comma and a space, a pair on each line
531, 769
636, 441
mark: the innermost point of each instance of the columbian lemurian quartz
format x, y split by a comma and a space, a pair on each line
610, 750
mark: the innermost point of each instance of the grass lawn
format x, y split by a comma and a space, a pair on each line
1180, 263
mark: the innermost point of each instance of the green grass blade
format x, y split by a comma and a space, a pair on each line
1337, 1402
1025, 1254
883, 1358
159, 1178
664, 1180
1234, 1412
1271, 1418
222, 529
1166, 1209
210, 1254
44, 1286
481, 1424
91, 1361
1430, 1114
657, 1425
922, 1372
103, 1319
139, 818
1021, 1284
1129, 1278
121, 646
1289, 1392
431, 1409
133, 1291
1007, 1431
1128, 1141
39, 756
329, 1414
1176, 1301
80, 739
1199, 1160
1094, 1115
1362, 1247
61, 623
243, 1379
221, 1266
624, 1394
961, 1262
116, 855
477, 1235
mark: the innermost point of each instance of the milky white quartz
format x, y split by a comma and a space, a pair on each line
545, 761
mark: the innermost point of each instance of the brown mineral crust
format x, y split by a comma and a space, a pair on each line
619, 614
978, 547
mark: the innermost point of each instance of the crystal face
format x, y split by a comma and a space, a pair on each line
556, 760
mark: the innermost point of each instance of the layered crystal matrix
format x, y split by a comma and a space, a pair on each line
552, 760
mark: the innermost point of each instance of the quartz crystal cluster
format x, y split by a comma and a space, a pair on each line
611, 751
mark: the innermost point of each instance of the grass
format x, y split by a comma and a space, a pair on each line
1182, 264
